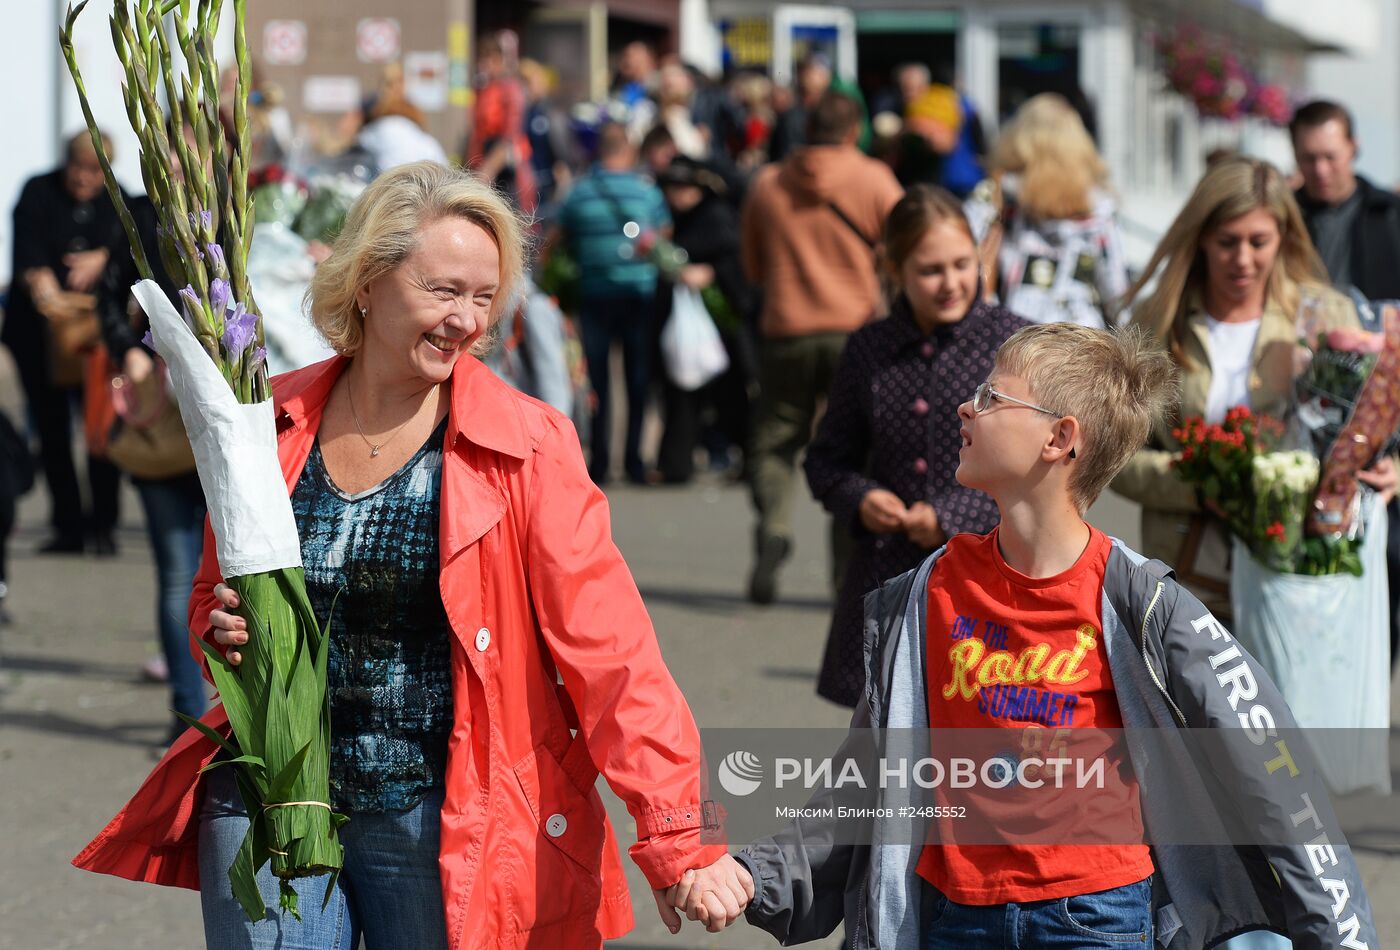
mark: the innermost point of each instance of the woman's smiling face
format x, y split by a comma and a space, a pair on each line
422, 314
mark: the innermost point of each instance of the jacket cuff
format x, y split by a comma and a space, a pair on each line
664, 860
663, 821
748, 863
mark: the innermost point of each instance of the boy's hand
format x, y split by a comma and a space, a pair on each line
921, 524
716, 896
882, 512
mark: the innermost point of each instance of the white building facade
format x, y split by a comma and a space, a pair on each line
1102, 52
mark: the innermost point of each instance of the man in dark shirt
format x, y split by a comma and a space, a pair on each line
1356, 227
65, 227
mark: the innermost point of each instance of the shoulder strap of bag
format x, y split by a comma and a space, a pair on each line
855, 229
618, 208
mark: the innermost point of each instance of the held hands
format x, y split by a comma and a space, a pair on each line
715, 896
230, 630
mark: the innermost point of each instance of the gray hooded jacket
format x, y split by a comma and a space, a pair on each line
1174, 667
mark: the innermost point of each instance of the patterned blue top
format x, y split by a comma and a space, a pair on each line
389, 669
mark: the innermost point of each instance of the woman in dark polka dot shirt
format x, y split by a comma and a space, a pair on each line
886, 450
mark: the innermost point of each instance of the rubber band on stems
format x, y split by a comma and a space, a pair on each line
288, 805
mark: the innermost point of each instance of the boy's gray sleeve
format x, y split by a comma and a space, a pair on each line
1267, 779
801, 874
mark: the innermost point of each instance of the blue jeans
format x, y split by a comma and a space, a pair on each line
626, 318
175, 522
389, 891
1119, 917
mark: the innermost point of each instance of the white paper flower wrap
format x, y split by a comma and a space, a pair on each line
235, 449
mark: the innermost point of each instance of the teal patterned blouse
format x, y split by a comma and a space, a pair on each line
374, 556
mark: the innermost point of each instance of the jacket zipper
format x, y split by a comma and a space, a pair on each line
1151, 670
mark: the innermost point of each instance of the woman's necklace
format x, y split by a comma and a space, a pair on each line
373, 446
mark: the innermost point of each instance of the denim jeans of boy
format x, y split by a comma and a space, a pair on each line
389, 890
175, 513
1119, 917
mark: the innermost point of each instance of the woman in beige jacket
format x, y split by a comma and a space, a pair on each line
1237, 280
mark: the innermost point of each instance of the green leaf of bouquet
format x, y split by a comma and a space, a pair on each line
233, 694
242, 874
250, 760
287, 898
330, 889
281, 783
209, 733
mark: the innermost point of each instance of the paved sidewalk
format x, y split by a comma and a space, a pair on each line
79, 729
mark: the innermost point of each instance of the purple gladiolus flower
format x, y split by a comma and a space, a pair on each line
259, 356
148, 341
220, 294
216, 257
190, 298
239, 331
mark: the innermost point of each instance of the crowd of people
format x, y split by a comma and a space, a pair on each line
885, 285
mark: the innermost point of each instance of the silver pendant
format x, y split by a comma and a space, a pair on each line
373, 451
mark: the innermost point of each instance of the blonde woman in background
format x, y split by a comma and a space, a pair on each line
1231, 276
1061, 258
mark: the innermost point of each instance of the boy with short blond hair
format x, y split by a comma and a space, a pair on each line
1047, 628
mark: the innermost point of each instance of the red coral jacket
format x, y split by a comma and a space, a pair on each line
535, 592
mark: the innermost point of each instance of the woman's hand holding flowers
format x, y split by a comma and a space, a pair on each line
230, 630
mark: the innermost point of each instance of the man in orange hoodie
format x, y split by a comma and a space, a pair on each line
810, 228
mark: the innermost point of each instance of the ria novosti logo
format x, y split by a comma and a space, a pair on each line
740, 773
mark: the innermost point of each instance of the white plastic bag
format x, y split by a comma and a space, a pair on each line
690, 342
1325, 641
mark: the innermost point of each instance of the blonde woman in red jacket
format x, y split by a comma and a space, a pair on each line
484, 670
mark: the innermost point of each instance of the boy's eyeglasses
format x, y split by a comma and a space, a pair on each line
984, 394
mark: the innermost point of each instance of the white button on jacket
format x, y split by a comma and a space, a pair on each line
483, 640
556, 825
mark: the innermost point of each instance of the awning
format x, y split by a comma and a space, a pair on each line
1349, 26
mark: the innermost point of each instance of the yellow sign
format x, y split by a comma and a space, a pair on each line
748, 42
459, 80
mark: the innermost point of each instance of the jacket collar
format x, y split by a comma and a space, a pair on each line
485, 411
907, 333
1371, 197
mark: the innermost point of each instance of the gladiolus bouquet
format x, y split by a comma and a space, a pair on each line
276, 699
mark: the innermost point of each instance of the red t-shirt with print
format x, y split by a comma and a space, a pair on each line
1020, 661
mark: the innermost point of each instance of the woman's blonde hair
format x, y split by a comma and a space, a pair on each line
1229, 189
1046, 144
382, 229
